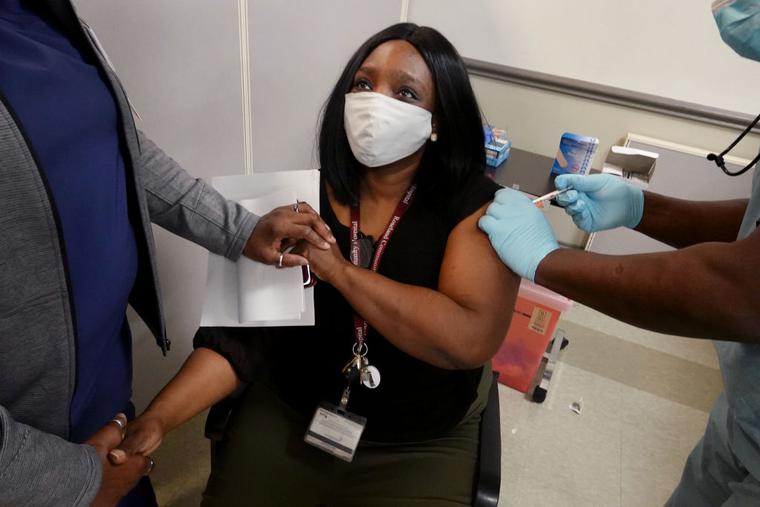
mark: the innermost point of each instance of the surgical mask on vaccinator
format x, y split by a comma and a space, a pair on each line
382, 130
739, 25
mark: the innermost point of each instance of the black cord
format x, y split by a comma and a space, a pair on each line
718, 159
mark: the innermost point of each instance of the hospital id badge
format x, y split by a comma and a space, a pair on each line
335, 431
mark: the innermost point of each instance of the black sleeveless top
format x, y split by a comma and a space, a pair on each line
415, 400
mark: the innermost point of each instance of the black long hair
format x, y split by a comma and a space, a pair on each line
459, 150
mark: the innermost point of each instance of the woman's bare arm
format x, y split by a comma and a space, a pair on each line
205, 379
459, 326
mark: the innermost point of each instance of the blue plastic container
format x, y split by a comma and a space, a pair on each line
497, 145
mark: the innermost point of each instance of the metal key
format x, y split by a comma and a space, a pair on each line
353, 374
344, 398
354, 362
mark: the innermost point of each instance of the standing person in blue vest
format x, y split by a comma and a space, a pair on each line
79, 187
707, 288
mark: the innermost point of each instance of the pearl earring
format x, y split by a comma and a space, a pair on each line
433, 137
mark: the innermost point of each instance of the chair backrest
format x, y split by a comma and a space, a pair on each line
216, 422
488, 479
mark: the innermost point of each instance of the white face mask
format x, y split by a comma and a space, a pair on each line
382, 130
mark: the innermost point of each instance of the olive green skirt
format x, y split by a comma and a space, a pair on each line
264, 461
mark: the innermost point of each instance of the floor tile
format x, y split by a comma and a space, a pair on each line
182, 465
697, 351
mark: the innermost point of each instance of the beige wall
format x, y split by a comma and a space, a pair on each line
622, 43
535, 120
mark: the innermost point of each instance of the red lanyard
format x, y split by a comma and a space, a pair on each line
360, 324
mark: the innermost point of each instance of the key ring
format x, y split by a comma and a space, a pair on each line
362, 347
295, 206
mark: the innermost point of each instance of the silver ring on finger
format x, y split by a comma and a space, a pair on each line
295, 206
119, 422
151, 465
279, 262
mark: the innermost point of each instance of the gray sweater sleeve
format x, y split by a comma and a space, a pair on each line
191, 208
38, 468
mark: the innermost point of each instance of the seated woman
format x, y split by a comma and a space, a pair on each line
417, 320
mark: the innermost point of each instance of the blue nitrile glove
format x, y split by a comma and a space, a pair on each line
600, 201
518, 232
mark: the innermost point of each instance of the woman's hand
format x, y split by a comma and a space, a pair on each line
326, 264
276, 230
116, 481
143, 436
206, 378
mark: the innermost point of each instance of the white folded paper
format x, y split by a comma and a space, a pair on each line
265, 292
248, 293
